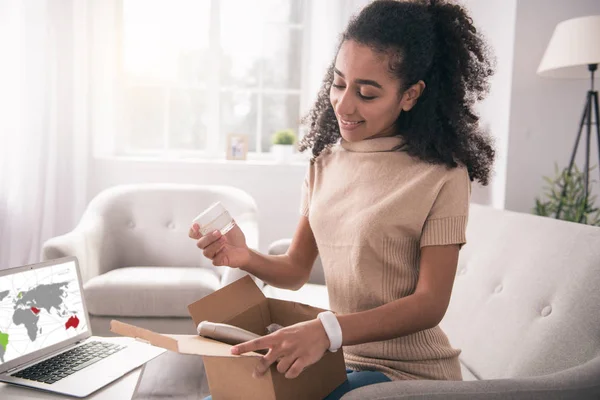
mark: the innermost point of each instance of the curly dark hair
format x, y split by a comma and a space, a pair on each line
436, 42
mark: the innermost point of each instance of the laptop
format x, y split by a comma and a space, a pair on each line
45, 337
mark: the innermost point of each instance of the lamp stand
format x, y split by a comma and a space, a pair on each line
591, 106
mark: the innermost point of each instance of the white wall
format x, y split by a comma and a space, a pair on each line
495, 19
545, 113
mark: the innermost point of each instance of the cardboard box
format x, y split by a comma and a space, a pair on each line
244, 305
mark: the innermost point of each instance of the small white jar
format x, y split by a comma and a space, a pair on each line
216, 217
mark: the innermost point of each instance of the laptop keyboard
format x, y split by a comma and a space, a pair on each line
64, 364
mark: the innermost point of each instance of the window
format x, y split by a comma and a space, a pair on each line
194, 71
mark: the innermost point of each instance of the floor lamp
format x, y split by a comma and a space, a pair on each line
574, 52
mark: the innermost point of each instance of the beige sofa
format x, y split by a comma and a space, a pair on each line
525, 310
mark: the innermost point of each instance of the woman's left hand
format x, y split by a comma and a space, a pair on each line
293, 348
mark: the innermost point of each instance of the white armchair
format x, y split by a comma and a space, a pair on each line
136, 260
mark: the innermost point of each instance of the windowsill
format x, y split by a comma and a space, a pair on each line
296, 161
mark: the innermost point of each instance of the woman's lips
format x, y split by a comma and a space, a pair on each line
349, 125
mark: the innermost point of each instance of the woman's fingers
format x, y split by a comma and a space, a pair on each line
296, 369
285, 363
222, 256
208, 239
194, 231
265, 362
211, 250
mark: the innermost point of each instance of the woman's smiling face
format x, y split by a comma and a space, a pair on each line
364, 94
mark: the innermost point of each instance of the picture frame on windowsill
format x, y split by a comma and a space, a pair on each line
237, 147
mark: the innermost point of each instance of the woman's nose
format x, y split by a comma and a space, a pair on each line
345, 105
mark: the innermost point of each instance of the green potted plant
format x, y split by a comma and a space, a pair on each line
283, 145
575, 207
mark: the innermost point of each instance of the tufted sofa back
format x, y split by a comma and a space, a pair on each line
147, 224
526, 300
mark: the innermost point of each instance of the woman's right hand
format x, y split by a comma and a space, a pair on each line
229, 250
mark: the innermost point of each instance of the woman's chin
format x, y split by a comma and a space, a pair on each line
351, 136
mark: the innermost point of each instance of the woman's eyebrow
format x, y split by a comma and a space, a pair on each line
360, 81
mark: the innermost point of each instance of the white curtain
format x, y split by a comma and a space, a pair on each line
43, 123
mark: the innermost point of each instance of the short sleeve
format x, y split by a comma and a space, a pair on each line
306, 193
446, 222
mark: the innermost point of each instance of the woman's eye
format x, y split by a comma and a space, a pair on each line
362, 96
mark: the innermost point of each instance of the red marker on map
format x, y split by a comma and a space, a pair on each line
73, 322
36, 311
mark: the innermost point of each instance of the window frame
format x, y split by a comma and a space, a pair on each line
215, 138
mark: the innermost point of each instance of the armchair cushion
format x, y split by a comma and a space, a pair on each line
149, 291
577, 383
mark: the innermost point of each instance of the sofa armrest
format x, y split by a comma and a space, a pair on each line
580, 382
281, 246
89, 243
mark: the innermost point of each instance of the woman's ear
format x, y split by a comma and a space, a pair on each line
410, 95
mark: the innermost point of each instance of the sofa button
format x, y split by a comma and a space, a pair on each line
546, 311
131, 224
498, 289
171, 225
462, 271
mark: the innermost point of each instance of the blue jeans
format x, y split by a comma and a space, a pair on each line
354, 381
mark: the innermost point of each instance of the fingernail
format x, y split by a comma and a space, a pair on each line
234, 350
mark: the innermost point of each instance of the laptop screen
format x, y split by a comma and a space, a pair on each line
39, 308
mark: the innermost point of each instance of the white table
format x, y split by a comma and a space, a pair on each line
120, 389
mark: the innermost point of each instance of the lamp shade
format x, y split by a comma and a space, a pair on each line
575, 43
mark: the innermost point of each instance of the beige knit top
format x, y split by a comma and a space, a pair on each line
371, 210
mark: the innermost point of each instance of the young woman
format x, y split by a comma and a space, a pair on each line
395, 144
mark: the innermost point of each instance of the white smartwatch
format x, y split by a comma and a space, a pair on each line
332, 328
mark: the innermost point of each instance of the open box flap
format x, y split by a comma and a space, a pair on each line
185, 344
227, 302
